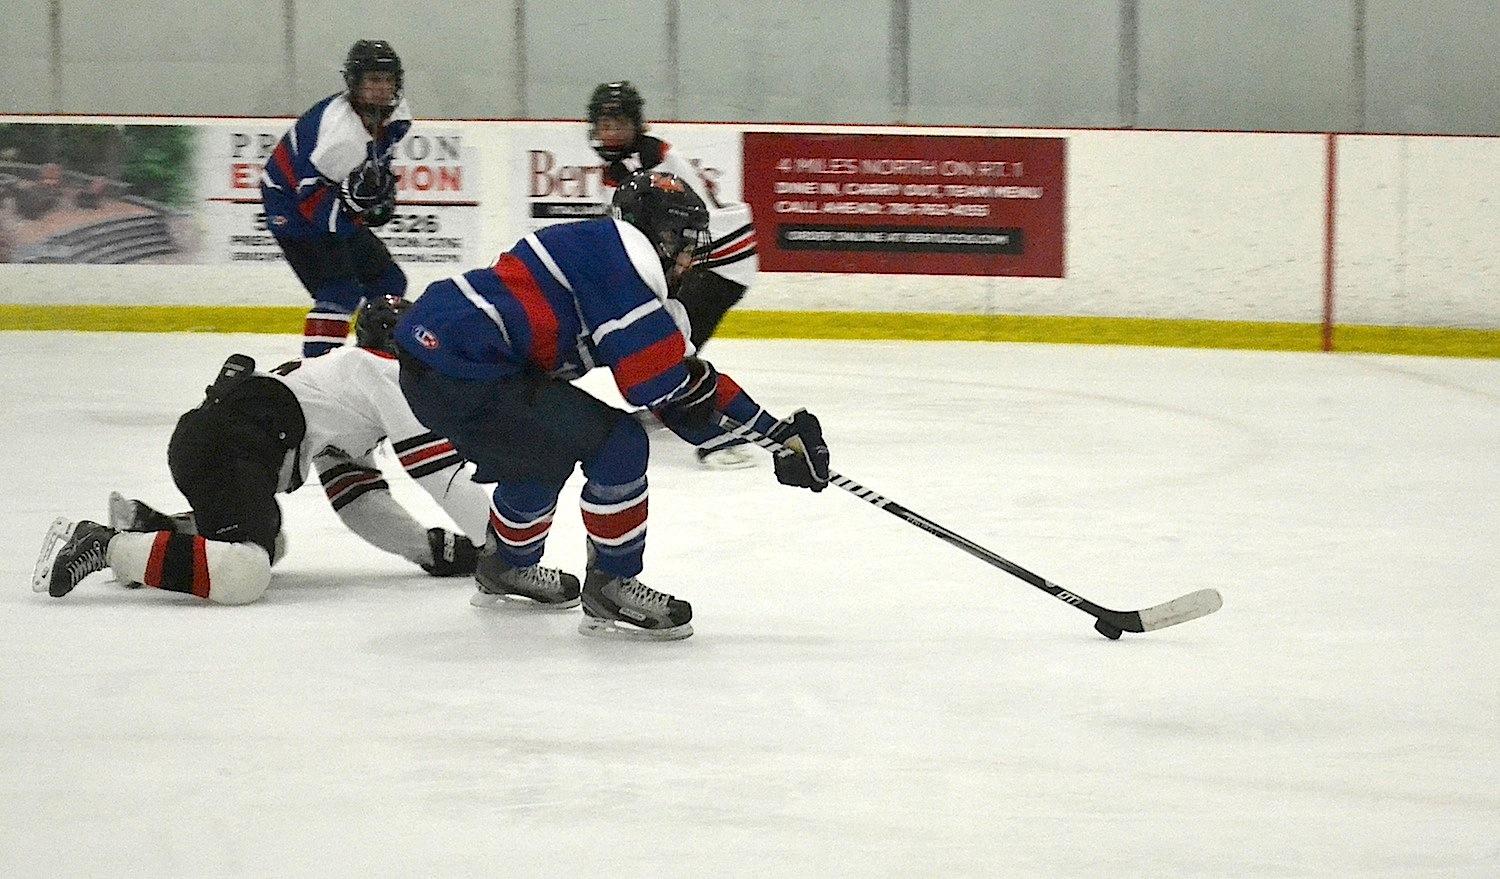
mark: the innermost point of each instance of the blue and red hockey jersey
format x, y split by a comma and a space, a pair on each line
300, 183
565, 299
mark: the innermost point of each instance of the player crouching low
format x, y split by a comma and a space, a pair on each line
488, 358
257, 435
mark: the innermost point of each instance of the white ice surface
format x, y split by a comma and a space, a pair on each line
860, 698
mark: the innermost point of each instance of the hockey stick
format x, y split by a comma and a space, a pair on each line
1109, 623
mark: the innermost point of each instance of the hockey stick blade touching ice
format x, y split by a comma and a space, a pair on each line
1109, 623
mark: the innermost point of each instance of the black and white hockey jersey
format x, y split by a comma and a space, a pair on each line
732, 252
351, 400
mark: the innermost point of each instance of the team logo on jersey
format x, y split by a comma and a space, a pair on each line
278, 220
425, 337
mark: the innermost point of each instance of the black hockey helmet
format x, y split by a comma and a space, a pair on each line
667, 210
377, 320
369, 56
615, 99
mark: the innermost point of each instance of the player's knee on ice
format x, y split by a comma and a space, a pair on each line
238, 572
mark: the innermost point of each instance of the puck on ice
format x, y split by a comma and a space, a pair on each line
1107, 630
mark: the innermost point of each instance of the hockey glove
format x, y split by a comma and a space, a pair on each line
370, 193
381, 213
452, 554
695, 407
804, 460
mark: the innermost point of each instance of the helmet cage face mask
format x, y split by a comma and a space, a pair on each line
377, 322
373, 56
672, 216
618, 100
672, 242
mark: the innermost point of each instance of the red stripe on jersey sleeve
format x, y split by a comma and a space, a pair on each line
310, 207
648, 363
349, 481
743, 244
283, 159
518, 280
411, 459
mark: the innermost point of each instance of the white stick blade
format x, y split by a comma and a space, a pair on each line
1180, 610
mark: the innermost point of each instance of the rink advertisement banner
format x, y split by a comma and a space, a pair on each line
907, 204
105, 193
562, 178
437, 217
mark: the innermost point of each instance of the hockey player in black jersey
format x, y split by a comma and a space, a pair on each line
259, 434
728, 263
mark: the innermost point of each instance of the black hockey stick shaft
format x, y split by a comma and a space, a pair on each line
1179, 610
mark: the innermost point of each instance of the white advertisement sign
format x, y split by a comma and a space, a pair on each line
437, 217
561, 177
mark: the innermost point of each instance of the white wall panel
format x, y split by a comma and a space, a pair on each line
1418, 231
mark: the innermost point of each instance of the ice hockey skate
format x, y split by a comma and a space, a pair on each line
132, 515
70, 552
542, 587
624, 607
735, 457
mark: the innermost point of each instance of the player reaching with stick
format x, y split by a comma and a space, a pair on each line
486, 359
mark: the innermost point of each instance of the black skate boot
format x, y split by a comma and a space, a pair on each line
624, 607
543, 587
133, 515
70, 552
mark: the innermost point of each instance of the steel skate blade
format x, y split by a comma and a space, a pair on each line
52, 544
490, 600
597, 628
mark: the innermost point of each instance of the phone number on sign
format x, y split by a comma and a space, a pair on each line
892, 208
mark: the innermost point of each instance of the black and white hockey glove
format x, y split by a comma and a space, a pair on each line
804, 461
370, 193
452, 554
695, 407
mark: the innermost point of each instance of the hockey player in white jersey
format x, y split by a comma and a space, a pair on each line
729, 263
260, 434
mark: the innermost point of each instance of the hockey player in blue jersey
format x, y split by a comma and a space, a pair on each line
329, 182
486, 359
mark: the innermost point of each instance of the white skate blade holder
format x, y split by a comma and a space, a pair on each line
480, 598
617, 631
52, 544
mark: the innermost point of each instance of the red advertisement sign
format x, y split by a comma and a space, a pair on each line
907, 203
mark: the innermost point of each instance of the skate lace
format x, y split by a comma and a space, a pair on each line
542, 578
643, 596
87, 562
